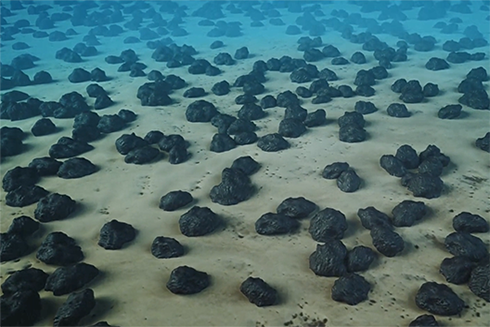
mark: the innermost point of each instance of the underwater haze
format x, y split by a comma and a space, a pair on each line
245, 163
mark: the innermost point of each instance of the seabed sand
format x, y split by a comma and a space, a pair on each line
131, 288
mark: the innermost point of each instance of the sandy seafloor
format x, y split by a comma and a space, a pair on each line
130, 291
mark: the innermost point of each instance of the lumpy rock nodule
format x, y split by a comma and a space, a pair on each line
166, 247
329, 259
114, 234
21, 308
439, 299
65, 280
351, 289
275, 224
235, 187
77, 306
54, 207
59, 249
259, 292
187, 280
198, 221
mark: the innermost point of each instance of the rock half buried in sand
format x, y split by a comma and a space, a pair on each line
386, 241
466, 245
436, 64
198, 221
476, 99
425, 185
431, 165
76, 168
275, 224
365, 107
153, 137
238, 126
30, 279
408, 156
19, 176
59, 249
259, 292
424, 321
175, 200
434, 151
291, 127
348, 181
438, 299
54, 206
67, 147
451, 111
43, 126
316, 118
251, 111
127, 142
246, 164
351, 118
221, 143
12, 246
79, 75
406, 213
25, 195
187, 280
77, 306
141, 156
114, 234
470, 223
351, 289
235, 187
154, 94
457, 270
65, 280
334, 170
296, 207
412, 92
483, 142
200, 111
398, 110
45, 166
23, 226
21, 308
371, 218
328, 224
103, 101
360, 258
329, 259
10, 145
111, 123
272, 143
352, 133
166, 247
392, 165
480, 281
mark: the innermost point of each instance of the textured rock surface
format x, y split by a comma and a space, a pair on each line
59, 249
186, 280
438, 299
329, 259
77, 306
54, 207
198, 221
275, 224
114, 234
235, 187
351, 289
65, 280
259, 292
20, 308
